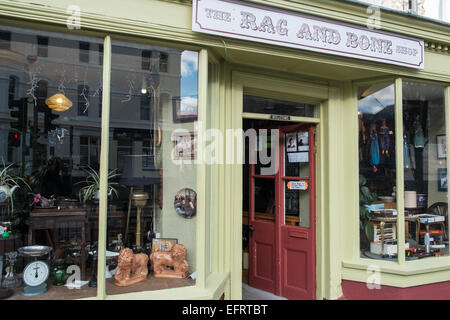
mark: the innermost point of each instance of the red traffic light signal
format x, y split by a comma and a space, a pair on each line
13, 139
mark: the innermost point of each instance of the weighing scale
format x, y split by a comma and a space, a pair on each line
36, 272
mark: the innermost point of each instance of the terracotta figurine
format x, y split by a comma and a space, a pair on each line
132, 268
170, 264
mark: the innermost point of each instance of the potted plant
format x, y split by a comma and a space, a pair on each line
90, 190
8, 184
366, 197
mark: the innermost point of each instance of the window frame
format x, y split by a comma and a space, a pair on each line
398, 116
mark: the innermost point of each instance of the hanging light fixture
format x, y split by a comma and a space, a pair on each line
58, 102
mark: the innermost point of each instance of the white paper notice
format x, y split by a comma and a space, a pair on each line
298, 157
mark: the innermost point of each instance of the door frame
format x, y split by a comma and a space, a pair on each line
313, 92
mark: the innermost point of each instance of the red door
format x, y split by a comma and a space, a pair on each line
282, 217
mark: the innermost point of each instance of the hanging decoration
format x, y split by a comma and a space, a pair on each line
374, 148
58, 102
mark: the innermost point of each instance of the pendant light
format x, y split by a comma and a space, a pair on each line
58, 102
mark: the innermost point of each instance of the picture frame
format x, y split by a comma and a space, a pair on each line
441, 143
183, 112
163, 244
442, 179
185, 145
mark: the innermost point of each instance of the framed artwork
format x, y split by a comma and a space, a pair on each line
185, 203
184, 111
185, 146
442, 179
441, 143
163, 244
291, 142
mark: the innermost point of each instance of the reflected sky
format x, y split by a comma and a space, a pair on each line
377, 101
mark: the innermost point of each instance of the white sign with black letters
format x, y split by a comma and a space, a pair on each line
269, 25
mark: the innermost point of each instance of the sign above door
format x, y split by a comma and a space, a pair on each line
268, 25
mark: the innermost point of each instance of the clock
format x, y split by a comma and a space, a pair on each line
34, 275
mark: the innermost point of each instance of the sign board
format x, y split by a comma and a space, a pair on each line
246, 21
297, 185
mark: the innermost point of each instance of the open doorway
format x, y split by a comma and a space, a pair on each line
278, 210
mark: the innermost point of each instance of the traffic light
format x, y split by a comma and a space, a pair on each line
14, 138
48, 120
19, 114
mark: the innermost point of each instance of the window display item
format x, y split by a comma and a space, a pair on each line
58, 102
390, 247
186, 203
170, 264
36, 272
11, 280
58, 274
140, 201
419, 139
410, 199
132, 268
384, 131
374, 148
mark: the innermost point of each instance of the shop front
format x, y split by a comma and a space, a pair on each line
183, 150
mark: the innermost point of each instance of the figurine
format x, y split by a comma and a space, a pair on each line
419, 139
170, 264
374, 148
384, 131
132, 268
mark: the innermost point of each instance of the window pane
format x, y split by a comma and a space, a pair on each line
152, 203
255, 104
425, 153
377, 170
47, 148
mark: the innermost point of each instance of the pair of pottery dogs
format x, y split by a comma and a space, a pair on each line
166, 264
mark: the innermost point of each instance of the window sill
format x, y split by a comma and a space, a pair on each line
412, 273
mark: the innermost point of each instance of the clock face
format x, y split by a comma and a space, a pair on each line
35, 273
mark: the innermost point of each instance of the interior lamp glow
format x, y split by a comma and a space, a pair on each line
58, 102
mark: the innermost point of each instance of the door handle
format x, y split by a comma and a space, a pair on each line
251, 229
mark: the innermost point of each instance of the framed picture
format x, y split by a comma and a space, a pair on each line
163, 244
184, 110
185, 146
442, 179
441, 142
291, 142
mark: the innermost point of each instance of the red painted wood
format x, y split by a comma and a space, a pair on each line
353, 290
282, 258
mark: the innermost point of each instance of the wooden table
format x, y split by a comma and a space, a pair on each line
42, 219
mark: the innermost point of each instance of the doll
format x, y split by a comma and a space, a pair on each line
419, 139
374, 147
384, 132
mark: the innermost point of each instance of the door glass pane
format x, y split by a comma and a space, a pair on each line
296, 160
296, 203
264, 199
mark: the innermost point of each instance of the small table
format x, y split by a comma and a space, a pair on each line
52, 218
393, 220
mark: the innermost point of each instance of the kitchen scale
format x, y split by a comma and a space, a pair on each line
36, 272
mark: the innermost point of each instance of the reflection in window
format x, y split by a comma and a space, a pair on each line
425, 153
84, 52
377, 170
83, 100
144, 134
48, 148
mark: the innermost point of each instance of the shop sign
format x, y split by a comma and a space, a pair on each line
268, 25
297, 185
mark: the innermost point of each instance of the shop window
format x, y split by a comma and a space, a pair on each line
377, 170
100, 54
55, 204
156, 191
263, 105
425, 169
84, 52
42, 49
83, 100
424, 153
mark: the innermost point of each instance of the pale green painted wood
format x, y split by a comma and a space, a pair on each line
399, 165
104, 153
447, 133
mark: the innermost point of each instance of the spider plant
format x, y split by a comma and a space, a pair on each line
92, 184
9, 182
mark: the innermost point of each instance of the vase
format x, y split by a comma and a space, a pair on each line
59, 275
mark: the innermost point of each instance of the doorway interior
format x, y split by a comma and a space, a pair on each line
279, 208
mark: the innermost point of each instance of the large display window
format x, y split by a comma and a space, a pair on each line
61, 96
403, 171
